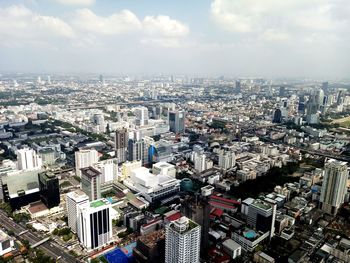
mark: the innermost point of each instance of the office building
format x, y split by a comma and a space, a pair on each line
49, 189
91, 182
141, 114
334, 186
27, 159
182, 241
152, 187
94, 226
261, 216
232, 248
177, 121
85, 158
121, 145
277, 116
73, 200
137, 151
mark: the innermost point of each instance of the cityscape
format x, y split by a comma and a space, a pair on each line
108, 155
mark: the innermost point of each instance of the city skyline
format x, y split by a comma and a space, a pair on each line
209, 38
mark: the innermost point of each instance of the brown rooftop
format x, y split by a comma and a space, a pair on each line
150, 240
90, 172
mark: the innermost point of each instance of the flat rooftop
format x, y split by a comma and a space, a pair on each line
24, 181
98, 203
90, 172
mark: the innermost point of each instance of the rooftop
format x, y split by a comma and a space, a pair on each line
90, 172
98, 203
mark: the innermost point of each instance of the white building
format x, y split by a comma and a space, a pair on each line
141, 116
182, 241
108, 169
27, 159
73, 200
152, 186
334, 186
232, 248
85, 158
6, 243
94, 226
164, 169
227, 159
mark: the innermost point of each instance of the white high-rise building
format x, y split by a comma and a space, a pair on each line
334, 186
85, 158
141, 116
74, 199
108, 169
27, 159
201, 163
227, 159
94, 226
182, 241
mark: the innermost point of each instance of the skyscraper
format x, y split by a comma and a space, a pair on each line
85, 158
177, 121
49, 189
137, 150
94, 224
182, 241
334, 186
238, 86
121, 145
141, 116
277, 117
91, 182
73, 200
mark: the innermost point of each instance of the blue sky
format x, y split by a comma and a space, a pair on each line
240, 38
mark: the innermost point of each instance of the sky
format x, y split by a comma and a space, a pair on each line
238, 38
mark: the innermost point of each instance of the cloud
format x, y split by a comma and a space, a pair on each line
19, 23
76, 2
278, 20
275, 35
122, 22
165, 26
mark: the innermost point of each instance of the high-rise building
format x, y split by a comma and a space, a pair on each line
177, 121
85, 158
94, 226
182, 241
136, 150
99, 120
121, 145
141, 116
238, 86
282, 91
73, 200
277, 117
197, 208
334, 186
261, 216
108, 169
49, 189
91, 182
27, 159
227, 159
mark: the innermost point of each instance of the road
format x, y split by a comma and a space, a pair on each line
49, 248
